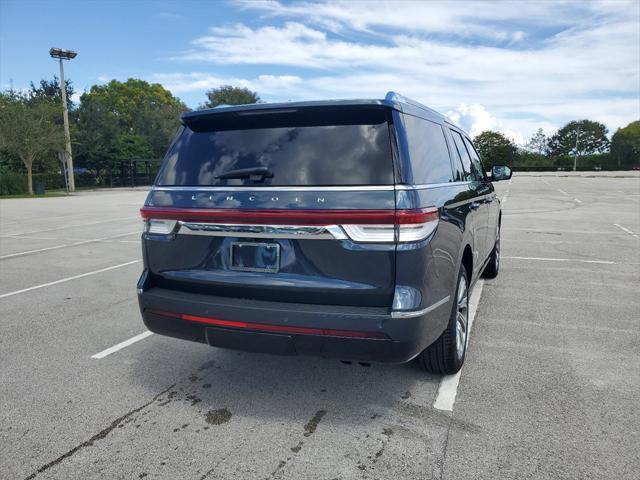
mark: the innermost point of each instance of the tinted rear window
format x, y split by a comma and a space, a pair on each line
295, 151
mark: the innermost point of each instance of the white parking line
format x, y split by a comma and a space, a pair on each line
446, 396
28, 237
56, 247
63, 227
62, 280
626, 230
27, 252
563, 192
559, 232
543, 259
122, 345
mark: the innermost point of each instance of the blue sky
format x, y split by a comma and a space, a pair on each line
508, 66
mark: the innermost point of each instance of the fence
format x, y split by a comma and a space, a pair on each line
124, 173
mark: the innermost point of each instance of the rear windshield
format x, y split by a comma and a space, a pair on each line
343, 149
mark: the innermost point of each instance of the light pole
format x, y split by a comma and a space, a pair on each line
62, 54
575, 155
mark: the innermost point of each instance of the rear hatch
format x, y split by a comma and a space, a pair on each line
287, 205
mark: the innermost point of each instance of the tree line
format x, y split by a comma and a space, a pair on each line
112, 123
134, 119
582, 144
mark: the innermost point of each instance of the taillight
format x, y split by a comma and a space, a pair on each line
407, 226
371, 226
159, 227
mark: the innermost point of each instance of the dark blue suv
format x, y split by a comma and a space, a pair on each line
351, 229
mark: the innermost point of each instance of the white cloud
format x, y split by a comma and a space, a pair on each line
455, 18
495, 61
475, 119
200, 81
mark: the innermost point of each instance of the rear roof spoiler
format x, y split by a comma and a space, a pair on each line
391, 100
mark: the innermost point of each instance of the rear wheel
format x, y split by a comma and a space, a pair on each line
491, 270
446, 354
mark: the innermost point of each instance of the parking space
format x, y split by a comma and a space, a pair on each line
549, 389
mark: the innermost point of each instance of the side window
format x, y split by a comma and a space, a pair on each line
428, 152
476, 163
463, 155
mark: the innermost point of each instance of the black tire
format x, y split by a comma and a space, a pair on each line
446, 354
492, 268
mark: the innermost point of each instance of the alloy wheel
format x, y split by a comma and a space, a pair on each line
462, 317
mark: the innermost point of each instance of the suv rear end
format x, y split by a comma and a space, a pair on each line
288, 229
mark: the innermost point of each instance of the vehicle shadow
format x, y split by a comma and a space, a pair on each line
276, 387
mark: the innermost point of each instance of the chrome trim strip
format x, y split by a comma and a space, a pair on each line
377, 188
332, 232
427, 186
304, 188
419, 313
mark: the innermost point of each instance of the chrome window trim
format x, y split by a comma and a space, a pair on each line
381, 188
426, 186
419, 313
304, 188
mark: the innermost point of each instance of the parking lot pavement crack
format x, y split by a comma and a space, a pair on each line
311, 426
438, 471
98, 436
309, 429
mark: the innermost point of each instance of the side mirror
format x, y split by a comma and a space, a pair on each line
500, 172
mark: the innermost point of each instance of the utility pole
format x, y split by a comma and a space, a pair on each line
575, 155
65, 55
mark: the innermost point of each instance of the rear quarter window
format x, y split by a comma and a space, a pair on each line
476, 163
470, 172
428, 152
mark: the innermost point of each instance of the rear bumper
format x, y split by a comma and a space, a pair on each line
185, 316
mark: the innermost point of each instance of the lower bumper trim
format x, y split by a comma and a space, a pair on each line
272, 328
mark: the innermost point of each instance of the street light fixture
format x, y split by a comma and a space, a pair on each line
63, 54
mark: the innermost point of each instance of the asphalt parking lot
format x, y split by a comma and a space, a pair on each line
550, 387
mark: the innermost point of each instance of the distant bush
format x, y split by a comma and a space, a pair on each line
52, 181
12, 183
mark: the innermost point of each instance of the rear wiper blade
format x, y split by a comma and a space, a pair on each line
255, 173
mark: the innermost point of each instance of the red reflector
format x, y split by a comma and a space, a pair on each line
270, 328
292, 217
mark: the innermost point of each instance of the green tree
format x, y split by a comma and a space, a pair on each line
125, 118
28, 129
132, 147
51, 89
229, 95
525, 158
579, 138
495, 148
538, 142
625, 145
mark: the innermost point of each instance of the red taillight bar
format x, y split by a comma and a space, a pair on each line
270, 328
419, 215
292, 217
